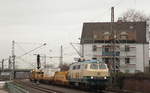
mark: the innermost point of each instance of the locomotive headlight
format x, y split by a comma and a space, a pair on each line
105, 77
91, 77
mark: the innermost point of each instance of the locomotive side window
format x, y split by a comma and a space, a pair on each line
74, 67
78, 66
40, 72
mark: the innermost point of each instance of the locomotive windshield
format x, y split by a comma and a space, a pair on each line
98, 66
102, 66
94, 66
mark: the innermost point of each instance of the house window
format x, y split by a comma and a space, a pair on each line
123, 35
127, 60
94, 48
106, 35
106, 60
106, 49
127, 48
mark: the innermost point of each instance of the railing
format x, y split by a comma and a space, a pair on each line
110, 53
15, 88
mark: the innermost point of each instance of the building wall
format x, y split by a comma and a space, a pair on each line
138, 55
139, 58
142, 57
146, 57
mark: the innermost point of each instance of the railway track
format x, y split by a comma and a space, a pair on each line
46, 89
37, 87
117, 91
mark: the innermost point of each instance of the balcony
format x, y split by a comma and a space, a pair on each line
111, 53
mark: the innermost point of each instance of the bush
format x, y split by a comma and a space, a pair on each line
118, 78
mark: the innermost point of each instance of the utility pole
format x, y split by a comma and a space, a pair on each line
2, 65
45, 61
61, 56
9, 67
13, 58
9, 63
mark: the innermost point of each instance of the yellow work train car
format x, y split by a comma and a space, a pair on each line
49, 74
61, 78
36, 75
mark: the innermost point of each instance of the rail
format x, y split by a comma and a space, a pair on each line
118, 91
14, 88
37, 87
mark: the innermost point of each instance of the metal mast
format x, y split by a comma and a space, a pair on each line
61, 56
9, 63
2, 65
13, 58
9, 67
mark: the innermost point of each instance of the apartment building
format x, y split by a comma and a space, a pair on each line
124, 42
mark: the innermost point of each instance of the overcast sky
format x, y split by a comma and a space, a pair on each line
56, 22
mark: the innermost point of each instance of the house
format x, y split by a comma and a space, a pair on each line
124, 42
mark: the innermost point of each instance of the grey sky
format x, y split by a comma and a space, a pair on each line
55, 22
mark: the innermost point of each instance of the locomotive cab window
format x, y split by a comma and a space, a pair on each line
102, 66
94, 66
78, 66
86, 66
74, 67
98, 66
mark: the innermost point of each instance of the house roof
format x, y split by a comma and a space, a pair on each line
95, 31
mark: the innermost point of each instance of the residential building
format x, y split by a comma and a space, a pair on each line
124, 42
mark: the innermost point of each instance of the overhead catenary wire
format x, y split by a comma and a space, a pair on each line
32, 50
21, 48
77, 51
29, 43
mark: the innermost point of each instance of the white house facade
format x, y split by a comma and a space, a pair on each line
130, 51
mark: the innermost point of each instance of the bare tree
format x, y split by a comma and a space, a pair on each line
132, 15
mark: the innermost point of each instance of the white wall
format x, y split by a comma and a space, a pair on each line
139, 58
138, 62
146, 55
142, 58
88, 53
